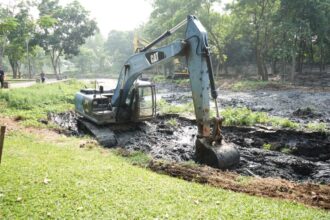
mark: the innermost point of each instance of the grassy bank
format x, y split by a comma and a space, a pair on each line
33, 103
58, 179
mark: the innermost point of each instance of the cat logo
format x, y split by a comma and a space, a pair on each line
154, 57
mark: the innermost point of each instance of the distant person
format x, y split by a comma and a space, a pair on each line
2, 77
42, 76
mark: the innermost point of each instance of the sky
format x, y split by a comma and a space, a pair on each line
120, 15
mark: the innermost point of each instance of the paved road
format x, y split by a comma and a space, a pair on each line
106, 83
13, 85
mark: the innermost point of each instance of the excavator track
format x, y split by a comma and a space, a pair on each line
103, 134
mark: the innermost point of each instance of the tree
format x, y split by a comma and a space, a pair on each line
119, 47
7, 24
63, 30
255, 18
19, 37
306, 24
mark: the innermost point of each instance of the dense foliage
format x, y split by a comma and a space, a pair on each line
267, 37
281, 35
58, 30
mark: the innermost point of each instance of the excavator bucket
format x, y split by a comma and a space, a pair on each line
214, 151
222, 156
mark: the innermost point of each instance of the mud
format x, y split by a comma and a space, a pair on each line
287, 154
299, 106
67, 122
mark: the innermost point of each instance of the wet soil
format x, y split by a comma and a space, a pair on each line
307, 193
298, 106
287, 154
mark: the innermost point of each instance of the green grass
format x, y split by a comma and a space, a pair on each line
233, 116
286, 150
317, 127
33, 103
159, 79
267, 146
182, 82
251, 85
172, 122
246, 117
59, 180
167, 108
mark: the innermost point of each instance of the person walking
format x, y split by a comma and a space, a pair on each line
42, 76
2, 77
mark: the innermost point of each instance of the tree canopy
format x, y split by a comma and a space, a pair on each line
272, 36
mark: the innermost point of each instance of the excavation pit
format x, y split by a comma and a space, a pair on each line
287, 154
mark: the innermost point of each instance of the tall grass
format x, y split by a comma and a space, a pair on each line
35, 102
246, 117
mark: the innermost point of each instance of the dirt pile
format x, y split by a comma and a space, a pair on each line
310, 194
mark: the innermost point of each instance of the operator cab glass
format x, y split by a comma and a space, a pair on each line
145, 102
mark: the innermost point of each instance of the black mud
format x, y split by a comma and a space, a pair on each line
299, 106
292, 155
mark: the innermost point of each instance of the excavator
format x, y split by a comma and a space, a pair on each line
134, 100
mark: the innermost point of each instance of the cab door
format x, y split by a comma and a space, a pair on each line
144, 102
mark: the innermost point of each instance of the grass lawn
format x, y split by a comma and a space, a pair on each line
54, 178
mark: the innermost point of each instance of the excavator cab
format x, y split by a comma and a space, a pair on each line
143, 101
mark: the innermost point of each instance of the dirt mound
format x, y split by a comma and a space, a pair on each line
306, 113
67, 121
309, 194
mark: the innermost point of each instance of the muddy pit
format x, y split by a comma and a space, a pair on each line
287, 154
299, 106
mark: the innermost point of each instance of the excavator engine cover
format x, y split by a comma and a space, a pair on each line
222, 156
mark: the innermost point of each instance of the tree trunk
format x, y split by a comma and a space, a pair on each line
293, 66
218, 71
260, 66
225, 66
264, 65
1, 56
273, 67
283, 69
322, 58
14, 67
55, 58
301, 57
2, 52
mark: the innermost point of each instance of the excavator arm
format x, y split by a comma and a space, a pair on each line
210, 148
